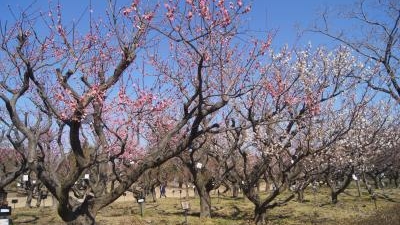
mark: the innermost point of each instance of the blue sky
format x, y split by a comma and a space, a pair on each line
283, 16
288, 16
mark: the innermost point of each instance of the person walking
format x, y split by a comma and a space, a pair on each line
162, 191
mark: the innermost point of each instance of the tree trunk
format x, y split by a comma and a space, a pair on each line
338, 188
82, 215
3, 197
39, 199
259, 215
153, 193
376, 182
112, 186
358, 188
367, 185
381, 183
235, 190
83, 219
300, 195
334, 197
205, 203
180, 184
29, 198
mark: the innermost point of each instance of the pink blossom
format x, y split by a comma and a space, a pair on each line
170, 12
60, 30
247, 9
148, 16
127, 11
240, 3
204, 11
135, 3
189, 15
225, 17
265, 45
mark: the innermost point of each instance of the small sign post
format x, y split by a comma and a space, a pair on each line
5, 213
186, 207
140, 200
14, 201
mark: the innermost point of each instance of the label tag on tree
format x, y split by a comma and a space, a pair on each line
199, 165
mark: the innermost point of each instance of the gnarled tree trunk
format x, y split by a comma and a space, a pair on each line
338, 189
334, 196
205, 203
83, 214
260, 215
300, 195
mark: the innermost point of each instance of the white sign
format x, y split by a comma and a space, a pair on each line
185, 205
34, 182
4, 222
87, 176
199, 165
4, 210
140, 200
355, 177
25, 178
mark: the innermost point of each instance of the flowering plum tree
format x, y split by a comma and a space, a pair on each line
112, 103
349, 157
286, 118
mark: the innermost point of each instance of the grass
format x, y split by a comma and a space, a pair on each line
317, 209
